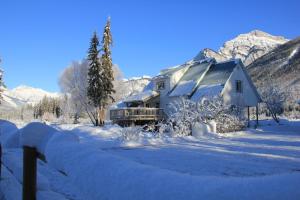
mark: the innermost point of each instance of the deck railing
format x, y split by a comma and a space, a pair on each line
136, 113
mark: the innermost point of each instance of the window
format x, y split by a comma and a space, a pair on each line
238, 86
160, 85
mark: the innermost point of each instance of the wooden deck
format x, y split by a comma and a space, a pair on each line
136, 115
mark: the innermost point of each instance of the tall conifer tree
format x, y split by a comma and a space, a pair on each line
95, 90
108, 76
107, 64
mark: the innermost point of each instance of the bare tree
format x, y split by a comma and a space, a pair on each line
274, 99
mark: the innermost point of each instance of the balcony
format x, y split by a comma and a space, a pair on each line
136, 114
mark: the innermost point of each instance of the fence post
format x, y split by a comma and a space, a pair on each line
29, 173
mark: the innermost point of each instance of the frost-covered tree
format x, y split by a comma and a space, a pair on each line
274, 99
73, 83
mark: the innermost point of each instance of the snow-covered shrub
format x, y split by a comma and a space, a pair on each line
230, 119
185, 113
182, 114
131, 133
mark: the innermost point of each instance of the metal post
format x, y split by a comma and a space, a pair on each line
29, 173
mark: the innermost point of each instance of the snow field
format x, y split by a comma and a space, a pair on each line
260, 164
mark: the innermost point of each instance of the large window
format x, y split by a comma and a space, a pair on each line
238, 86
160, 85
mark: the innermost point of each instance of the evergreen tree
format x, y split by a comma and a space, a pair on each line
108, 76
106, 59
95, 77
100, 76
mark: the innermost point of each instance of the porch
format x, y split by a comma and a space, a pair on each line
136, 115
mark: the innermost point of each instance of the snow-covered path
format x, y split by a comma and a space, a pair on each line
266, 151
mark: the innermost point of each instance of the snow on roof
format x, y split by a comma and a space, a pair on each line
218, 73
207, 92
190, 79
142, 96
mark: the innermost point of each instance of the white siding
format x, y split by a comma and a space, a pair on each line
248, 96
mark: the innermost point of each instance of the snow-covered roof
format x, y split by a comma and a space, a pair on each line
190, 79
142, 96
207, 92
218, 73
206, 73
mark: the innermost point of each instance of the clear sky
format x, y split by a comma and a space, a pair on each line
38, 39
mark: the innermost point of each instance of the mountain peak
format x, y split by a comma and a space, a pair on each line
247, 47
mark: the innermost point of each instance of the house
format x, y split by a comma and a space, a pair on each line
196, 80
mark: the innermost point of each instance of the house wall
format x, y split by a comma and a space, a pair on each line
248, 96
170, 81
152, 102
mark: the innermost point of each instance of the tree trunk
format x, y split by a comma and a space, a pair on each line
101, 116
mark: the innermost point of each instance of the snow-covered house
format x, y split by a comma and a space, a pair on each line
195, 80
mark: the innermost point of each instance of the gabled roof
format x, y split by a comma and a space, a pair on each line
190, 79
214, 80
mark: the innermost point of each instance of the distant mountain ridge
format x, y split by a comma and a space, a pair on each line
23, 94
248, 47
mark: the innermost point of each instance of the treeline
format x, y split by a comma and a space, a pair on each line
47, 105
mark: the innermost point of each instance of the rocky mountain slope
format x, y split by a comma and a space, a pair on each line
248, 47
280, 66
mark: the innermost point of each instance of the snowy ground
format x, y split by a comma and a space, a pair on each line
271, 149
252, 164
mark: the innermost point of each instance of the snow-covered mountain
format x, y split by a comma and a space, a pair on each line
248, 47
22, 95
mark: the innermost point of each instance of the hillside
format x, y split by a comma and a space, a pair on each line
281, 66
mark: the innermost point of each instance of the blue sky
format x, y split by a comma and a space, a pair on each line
38, 39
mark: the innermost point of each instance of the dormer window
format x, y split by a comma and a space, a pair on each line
238, 86
160, 85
